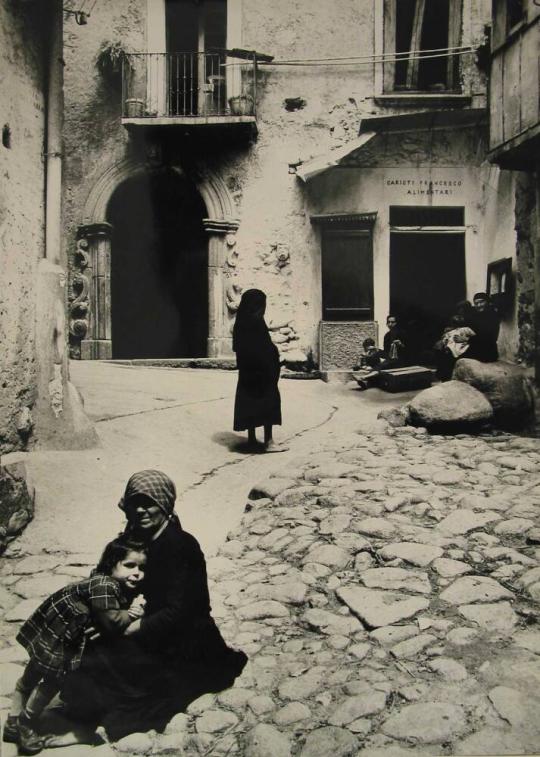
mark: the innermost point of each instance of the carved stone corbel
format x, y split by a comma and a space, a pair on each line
79, 298
96, 342
221, 259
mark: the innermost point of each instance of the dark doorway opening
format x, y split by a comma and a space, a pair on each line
427, 280
159, 268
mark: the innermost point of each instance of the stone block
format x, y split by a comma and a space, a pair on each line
341, 343
427, 723
266, 741
331, 740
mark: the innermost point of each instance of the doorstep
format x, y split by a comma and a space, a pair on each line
336, 376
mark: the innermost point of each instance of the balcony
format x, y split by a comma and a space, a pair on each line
189, 89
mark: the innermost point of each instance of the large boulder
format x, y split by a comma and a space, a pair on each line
505, 385
451, 406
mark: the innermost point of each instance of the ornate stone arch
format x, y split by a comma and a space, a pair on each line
90, 309
215, 193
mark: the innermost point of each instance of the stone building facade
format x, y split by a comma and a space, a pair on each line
37, 402
287, 146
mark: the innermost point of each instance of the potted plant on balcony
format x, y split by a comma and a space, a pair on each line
241, 105
109, 58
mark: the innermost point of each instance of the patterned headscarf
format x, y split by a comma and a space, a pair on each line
153, 484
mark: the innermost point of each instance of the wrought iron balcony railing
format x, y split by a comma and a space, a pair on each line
187, 85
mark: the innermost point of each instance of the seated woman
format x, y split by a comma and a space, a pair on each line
175, 652
458, 343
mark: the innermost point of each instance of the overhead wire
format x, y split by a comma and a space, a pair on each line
396, 54
372, 60
362, 60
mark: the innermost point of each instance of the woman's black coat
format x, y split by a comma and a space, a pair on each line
257, 402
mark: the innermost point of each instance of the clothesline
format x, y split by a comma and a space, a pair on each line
356, 61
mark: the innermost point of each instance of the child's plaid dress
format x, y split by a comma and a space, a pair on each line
54, 634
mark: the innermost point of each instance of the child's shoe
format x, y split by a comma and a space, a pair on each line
10, 733
29, 742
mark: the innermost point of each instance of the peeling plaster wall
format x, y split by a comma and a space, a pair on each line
271, 204
22, 109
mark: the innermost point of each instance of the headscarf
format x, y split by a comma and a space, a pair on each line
153, 484
248, 324
458, 340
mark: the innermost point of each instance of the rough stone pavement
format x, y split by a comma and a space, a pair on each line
385, 589
180, 422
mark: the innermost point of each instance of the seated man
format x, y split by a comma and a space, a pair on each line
485, 322
394, 341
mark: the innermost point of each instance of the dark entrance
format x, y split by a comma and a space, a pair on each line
427, 279
159, 268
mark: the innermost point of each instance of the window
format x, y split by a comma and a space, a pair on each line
426, 29
347, 275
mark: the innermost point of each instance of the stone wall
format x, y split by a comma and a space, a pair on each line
22, 108
526, 217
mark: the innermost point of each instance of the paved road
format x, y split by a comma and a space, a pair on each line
177, 420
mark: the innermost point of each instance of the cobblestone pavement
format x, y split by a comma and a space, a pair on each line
385, 589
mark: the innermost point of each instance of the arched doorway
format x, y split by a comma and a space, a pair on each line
159, 268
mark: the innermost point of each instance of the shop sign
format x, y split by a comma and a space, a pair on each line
431, 187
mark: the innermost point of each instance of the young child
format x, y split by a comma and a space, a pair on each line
371, 356
55, 634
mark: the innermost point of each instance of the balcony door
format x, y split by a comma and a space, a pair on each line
196, 32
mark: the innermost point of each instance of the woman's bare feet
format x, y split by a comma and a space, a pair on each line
271, 446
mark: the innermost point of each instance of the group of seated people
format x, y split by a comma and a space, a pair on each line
472, 332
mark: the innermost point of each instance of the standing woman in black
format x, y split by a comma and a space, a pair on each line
257, 400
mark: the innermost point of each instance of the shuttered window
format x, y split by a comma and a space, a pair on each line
347, 275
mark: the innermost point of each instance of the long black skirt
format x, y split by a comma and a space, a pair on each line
256, 403
126, 688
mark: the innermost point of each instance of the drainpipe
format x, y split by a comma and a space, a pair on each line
55, 106
59, 418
